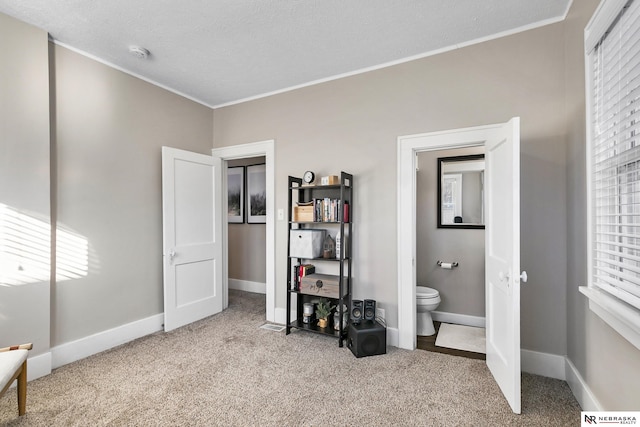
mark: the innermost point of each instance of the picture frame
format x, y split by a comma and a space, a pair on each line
235, 194
256, 194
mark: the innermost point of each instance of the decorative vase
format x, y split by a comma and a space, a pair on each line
322, 323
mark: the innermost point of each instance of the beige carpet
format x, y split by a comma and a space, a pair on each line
227, 371
461, 337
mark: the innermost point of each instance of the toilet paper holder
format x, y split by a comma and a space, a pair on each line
452, 264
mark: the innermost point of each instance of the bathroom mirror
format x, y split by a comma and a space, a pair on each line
461, 191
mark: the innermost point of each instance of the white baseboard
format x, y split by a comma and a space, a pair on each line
38, 366
458, 319
85, 347
580, 389
393, 337
246, 285
544, 364
281, 316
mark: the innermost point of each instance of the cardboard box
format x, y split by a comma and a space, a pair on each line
303, 213
323, 285
330, 180
306, 243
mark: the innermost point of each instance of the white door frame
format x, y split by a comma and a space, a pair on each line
408, 147
254, 149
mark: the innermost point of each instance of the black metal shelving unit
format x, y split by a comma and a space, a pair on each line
305, 193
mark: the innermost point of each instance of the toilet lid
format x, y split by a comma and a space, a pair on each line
424, 292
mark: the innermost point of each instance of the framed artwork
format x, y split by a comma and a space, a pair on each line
257, 194
235, 194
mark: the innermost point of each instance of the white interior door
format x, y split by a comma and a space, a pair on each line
192, 230
502, 259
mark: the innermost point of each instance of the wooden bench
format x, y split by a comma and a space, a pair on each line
13, 365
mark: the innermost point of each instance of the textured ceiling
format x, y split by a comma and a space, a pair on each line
222, 51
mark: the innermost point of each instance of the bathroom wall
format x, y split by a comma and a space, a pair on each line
462, 288
247, 243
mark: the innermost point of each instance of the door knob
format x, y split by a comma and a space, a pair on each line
503, 276
172, 254
523, 277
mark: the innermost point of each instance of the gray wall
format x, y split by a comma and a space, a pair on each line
24, 176
110, 128
462, 288
247, 242
608, 363
353, 123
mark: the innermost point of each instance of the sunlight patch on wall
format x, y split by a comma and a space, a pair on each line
25, 250
72, 255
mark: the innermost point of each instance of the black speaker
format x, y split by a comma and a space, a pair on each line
369, 309
356, 311
367, 339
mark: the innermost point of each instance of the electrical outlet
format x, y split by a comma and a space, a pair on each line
380, 313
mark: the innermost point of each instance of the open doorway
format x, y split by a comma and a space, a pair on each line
408, 149
502, 242
450, 251
245, 225
266, 150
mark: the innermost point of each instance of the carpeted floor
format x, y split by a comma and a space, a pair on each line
225, 370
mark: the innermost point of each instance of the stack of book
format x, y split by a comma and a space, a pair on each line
325, 210
302, 270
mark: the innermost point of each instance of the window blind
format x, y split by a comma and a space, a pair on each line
615, 159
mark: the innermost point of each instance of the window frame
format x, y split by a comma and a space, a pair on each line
622, 317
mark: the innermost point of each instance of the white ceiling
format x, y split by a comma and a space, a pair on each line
219, 52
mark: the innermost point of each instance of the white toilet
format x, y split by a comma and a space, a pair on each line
427, 300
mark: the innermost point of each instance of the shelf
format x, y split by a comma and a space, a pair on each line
318, 202
319, 187
318, 222
294, 291
322, 259
298, 324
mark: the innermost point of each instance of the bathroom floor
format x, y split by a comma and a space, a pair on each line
429, 344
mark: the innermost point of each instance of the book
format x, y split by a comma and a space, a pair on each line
295, 286
319, 209
345, 213
306, 269
303, 270
326, 215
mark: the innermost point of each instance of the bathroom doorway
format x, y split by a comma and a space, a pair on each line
450, 239
502, 243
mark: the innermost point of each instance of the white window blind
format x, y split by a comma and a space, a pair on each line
615, 157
